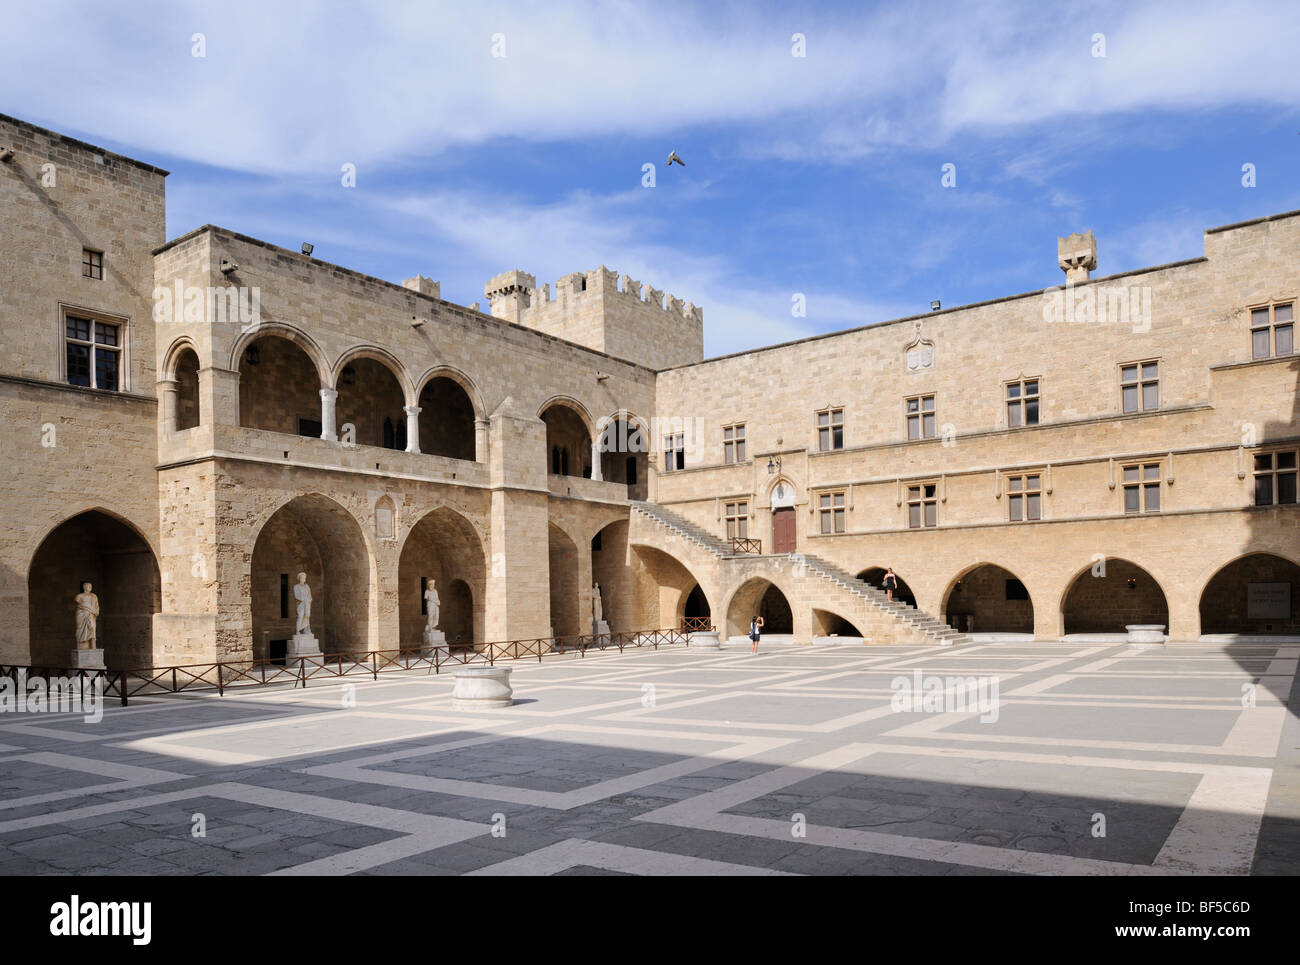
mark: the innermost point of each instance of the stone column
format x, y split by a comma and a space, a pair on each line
412, 427
327, 400
170, 396
595, 462
481, 427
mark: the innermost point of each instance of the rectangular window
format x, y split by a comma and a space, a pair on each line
830, 430
738, 520
920, 417
1022, 403
1142, 488
1272, 331
1275, 478
674, 452
1140, 386
92, 263
733, 444
94, 353
1025, 497
830, 506
922, 506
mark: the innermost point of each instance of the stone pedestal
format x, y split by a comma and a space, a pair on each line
479, 688
1146, 634
434, 640
600, 628
87, 660
703, 640
301, 645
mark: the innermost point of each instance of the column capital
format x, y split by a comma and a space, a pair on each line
329, 395
412, 410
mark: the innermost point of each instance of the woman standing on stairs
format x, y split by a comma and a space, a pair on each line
890, 583
755, 630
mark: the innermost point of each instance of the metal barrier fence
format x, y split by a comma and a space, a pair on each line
230, 674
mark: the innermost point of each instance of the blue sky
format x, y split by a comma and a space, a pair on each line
818, 175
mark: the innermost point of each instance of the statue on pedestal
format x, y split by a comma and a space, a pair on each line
87, 614
431, 605
302, 593
597, 607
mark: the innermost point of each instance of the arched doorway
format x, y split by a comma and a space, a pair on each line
279, 388
784, 534
311, 534
828, 624
447, 420
568, 441
875, 576
187, 390
370, 400
1107, 597
760, 597
989, 599
1255, 595
625, 448
444, 547
697, 612
97, 548
562, 556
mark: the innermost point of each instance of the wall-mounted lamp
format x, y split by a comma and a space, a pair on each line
253, 356
416, 322
601, 378
773, 465
1132, 583
349, 375
307, 249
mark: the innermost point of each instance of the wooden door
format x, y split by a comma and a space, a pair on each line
783, 530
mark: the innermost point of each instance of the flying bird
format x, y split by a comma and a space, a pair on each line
672, 156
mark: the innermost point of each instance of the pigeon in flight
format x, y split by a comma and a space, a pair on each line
672, 157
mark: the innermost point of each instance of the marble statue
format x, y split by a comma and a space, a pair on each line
431, 605
302, 593
87, 614
597, 607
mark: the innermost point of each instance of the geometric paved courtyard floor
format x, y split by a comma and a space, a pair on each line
794, 761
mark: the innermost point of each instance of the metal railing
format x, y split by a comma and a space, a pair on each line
231, 674
740, 544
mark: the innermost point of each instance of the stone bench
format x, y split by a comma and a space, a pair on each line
479, 688
1146, 634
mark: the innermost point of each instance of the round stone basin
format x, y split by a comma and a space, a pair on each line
482, 687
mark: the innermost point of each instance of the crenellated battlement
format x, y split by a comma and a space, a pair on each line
606, 311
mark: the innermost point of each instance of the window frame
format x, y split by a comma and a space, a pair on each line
921, 501
674, 450
1269, 327
1272, 474
92, 264
1018, 496
834, 421
122, 349
1020, 402
736, 514
919, 416
1142, 484
1140, 383
734, 448
832, 512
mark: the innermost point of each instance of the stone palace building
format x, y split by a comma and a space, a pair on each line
189, 423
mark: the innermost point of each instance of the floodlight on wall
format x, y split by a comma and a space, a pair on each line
416, 322
228, 266
307, 249
6, 154
934, 305
601, 377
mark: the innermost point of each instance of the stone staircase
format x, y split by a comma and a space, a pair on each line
865, 606
922, 622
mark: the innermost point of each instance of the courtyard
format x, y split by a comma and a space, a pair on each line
1006, 758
